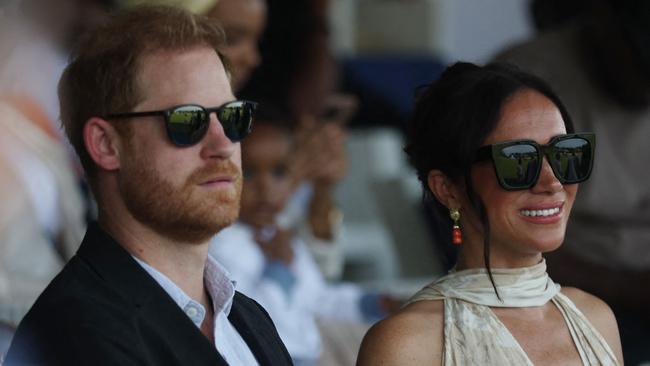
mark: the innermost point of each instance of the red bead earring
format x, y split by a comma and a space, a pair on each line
456, 235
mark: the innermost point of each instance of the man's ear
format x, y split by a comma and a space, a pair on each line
102, 142
444, 189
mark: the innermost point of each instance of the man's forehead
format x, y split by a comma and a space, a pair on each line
163, 54
178, 75
170, 62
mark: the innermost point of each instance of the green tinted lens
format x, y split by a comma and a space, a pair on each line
517, 165
187, 125
236, 118
571, 159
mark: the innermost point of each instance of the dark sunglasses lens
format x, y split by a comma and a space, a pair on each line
517, 165
236, 118
571, 159
187, 125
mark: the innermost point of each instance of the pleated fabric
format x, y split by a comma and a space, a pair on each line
474, 335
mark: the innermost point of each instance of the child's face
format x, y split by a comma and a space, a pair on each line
265, 158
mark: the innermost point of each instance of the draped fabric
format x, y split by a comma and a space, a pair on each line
474, 335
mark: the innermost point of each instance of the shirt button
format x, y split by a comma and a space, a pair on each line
191, 312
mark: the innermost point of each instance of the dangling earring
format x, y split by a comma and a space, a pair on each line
456, 236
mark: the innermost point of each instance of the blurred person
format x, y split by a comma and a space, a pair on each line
274, 266
166, 173
42, 218
600, 65
298, 75
243, 22
298, 72
498, 305
44, 33
316, 167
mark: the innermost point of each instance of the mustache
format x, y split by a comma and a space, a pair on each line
222, 168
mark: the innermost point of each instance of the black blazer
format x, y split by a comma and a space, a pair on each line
104, 309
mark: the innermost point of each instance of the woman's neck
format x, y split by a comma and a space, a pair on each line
471, 256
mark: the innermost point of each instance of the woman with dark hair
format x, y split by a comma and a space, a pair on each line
475, 131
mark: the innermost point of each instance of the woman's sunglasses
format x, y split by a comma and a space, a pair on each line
187, 124
518, 163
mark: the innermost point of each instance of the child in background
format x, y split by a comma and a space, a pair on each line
273, 265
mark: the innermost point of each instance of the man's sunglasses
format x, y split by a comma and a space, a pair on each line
187, 124
518, 163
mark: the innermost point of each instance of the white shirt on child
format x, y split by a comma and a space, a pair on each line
293, 307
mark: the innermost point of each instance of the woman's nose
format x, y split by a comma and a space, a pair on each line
547, 181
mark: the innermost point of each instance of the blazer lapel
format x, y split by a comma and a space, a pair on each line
164, 327
166, 320
256, 332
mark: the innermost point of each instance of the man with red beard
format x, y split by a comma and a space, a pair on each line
147, 104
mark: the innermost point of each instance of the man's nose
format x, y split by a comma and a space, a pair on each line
216, 143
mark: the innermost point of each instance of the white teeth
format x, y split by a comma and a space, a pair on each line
545, 212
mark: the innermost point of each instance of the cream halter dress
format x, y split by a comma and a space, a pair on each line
474, 335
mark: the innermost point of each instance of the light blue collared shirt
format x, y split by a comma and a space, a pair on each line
227, 340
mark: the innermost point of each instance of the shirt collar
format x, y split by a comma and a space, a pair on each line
218, 284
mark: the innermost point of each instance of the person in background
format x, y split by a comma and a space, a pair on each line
317, 165
45, 31
599, 63
43, 215
273, 265
160, 147
498, 305
244, 22
298, 75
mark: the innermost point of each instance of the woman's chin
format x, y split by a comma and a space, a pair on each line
549, 245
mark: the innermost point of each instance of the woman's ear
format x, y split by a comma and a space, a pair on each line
102, 141
444, 189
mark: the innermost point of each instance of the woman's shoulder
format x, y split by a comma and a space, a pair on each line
599, 314
595, 309
412, 336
